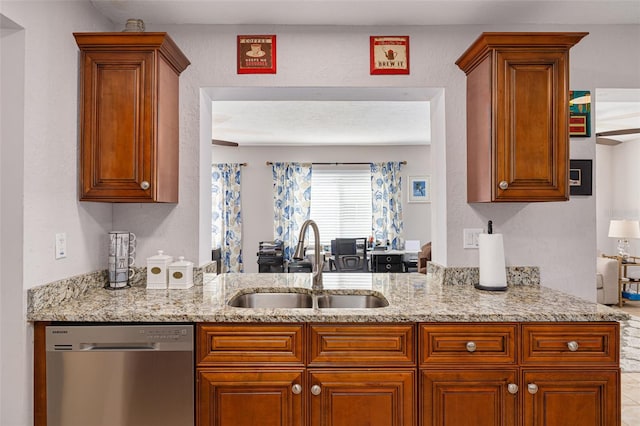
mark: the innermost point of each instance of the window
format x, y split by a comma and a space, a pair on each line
341, 201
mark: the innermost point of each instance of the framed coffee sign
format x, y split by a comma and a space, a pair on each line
389, 54
256, 54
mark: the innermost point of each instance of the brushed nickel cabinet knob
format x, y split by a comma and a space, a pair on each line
471, 346
573, 346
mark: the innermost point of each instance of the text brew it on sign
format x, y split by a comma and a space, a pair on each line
390, 55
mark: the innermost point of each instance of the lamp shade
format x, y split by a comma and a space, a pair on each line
624, 229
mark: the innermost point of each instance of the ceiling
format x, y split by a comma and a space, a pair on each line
289, 116
364, 12
322, 116
616, 109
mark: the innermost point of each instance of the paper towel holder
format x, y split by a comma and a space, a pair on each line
489, 288
491, 253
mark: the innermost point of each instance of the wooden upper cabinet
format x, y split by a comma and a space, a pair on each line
518, 116
129, 133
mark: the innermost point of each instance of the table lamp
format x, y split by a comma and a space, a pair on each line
623, 230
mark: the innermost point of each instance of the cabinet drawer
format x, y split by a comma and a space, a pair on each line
362, 345
388, 258
389, 267
570, 343
464, 344
237, 344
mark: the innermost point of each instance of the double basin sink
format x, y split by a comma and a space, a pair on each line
270, 300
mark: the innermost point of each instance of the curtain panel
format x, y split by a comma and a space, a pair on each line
386, 203
291, 203
226, 215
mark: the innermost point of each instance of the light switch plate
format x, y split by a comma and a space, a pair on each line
61, 245
470, 237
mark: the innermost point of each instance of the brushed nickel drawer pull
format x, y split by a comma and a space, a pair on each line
296, 389
573, 346
512, 388
316, 390
471, 346
532, 388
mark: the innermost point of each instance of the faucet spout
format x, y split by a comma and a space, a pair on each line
299, 253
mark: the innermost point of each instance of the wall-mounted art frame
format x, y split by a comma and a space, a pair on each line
419, 189
579, 113
389, 54
580, 177
256, 54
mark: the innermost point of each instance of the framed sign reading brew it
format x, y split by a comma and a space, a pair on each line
389, 54
256, 54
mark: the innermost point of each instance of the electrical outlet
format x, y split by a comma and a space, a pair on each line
470, 237
61, 245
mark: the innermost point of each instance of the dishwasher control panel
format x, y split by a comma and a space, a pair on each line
124, 337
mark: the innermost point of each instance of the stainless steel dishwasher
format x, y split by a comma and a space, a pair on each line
120, 375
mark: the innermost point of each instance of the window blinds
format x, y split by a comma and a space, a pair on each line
341, 201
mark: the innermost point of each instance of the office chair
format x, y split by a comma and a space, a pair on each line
348, 256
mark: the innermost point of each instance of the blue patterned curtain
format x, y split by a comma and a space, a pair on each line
291, 203
386, 203
226, 228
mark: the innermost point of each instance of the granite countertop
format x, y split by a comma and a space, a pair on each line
412, 297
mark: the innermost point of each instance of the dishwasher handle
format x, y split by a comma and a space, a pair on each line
119, 347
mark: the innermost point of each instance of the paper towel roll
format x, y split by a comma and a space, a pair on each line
493, 274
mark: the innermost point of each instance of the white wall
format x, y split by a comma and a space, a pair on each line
11, 190
618, 182
559, 237
257, 195
39, 198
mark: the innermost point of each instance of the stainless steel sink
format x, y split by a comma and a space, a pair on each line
272, 300
351, 301
289, 300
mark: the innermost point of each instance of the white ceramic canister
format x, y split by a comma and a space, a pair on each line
181, 274
158, 271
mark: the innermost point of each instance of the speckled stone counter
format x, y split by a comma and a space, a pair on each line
412, 297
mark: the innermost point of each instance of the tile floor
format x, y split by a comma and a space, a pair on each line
630, 399
631, 381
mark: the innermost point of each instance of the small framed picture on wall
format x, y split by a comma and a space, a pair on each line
419, 189
389, 54
256, 54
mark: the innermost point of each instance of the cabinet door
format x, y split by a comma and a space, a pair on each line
129, 118
479, 398
116, 125
247, 397
531, 133
585, 398
362, 397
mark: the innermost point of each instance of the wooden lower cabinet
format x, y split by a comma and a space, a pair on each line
583, 397
373, 397
248, 397
427, 374
478, 398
